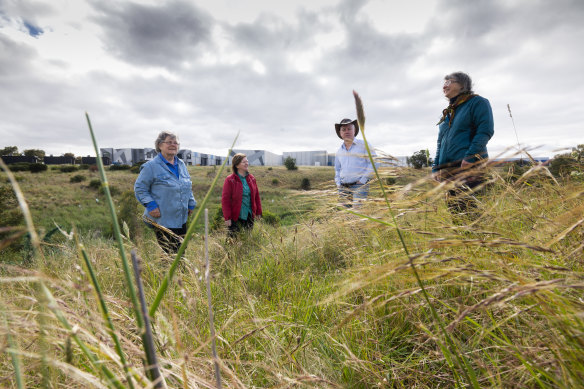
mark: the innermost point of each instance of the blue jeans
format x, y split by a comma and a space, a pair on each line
351, 195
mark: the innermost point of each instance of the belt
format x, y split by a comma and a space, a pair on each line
349, 185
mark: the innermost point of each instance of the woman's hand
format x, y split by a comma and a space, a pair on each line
228, 223
155, 213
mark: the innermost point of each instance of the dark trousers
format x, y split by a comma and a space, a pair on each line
239, 225
170, 243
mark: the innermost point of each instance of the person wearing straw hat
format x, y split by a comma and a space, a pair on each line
465, 128
164, 188
353, 169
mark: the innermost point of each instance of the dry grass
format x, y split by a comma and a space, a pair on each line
332, 301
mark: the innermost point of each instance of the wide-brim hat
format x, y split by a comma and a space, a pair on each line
344, 122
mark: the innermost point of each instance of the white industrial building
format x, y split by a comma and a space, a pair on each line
259, 157
308, 158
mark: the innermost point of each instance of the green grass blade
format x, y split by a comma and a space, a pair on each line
104, 310
164, 285
13, 347
116, 225
112, 380
153, 368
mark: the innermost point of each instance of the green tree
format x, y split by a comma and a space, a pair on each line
578, 153
40, 154
420, 159
290, 163
9, 150
69, 155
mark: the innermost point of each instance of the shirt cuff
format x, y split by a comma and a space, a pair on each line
191, 207
151, 206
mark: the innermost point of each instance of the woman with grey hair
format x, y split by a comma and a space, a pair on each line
465, 128
164, 188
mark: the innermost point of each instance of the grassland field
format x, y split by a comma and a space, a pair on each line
400, 295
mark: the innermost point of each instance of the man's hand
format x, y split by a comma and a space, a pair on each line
155, 213
465, 164
190, 212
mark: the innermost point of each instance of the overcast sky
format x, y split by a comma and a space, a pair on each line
283, 72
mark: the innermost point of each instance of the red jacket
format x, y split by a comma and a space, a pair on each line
233, 193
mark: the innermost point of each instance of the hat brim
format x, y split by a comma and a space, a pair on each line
339, 125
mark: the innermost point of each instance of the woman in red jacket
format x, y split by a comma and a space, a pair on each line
240, 200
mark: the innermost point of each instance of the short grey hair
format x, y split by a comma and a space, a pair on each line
162, 137
461, 78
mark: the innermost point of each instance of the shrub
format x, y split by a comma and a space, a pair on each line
217, 222
562, 165
20, 167
38, 167
129, 212
290, 163
305, 184
68, 168
136, 167
270, 218
119, 167
95, 184
270, 168
83, 166
93, 168
77, 178
275, 181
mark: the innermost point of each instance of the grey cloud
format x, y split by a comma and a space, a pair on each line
163, 35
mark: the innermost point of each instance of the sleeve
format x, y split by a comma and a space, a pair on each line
369, 167
192, 202
226, 199
337, 170
483, 119
142, 188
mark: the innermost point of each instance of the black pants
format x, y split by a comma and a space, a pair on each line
462, 201
170, 243
239, 225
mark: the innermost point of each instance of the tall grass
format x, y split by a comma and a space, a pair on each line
331, 301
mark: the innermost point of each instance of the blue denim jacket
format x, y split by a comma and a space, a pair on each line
173, 195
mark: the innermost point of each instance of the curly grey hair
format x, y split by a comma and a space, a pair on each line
162, 137
463, 79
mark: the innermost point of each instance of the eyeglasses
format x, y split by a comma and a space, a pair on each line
448, 82
172, 143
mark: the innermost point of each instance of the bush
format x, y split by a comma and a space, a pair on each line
420, 159
95, 184
275, 181
270, 218
68, 168
562, 165
136, 167
77, 178
93, 168
270, 168
119, 167
305, 184
217, 222
290, 163
129, 212
83, 166
20, 167
38, 167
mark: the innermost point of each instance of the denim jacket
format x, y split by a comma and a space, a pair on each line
173, 195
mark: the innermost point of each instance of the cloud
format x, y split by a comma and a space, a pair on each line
164, 35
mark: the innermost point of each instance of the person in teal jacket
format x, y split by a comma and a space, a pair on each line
465, 128
164, 187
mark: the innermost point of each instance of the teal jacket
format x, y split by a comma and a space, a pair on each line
174, 196
467, 137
